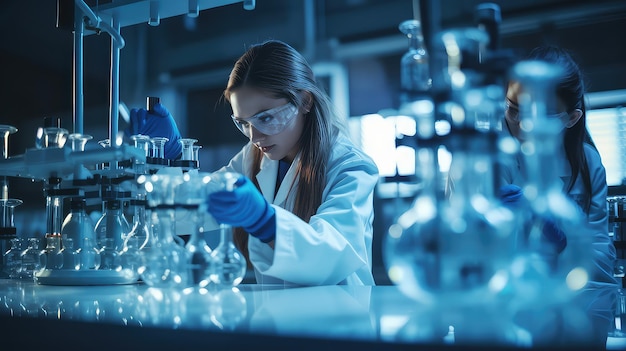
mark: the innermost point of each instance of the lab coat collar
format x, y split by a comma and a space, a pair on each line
267, 180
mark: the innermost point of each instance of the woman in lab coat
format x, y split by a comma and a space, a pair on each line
317, 186
581, 168
303, 209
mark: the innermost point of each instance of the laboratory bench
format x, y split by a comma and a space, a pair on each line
275, 317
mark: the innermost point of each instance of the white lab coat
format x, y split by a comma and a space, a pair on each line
603, 250
335, 246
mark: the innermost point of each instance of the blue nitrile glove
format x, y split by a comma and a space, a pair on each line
245, 207
511, 196
158, 123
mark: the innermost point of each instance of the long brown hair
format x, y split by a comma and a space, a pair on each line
275, 67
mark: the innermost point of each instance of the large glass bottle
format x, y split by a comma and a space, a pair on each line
415, 76
548, 273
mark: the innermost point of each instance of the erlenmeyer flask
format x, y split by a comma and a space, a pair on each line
228, 263
112, 225
163, 262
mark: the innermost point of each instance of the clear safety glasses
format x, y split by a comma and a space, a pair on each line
512, 112
270, 122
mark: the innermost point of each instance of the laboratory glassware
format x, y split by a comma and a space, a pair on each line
104, 143
109, 255
12, 260
228, 263
77, 225
88, 254
51, 252
158, 150
33, 259
546, 274
69, 255
142, 142
5, 131
163, 262
187, 148
78, 141
414, 64
139, 228
7, 224
112, 225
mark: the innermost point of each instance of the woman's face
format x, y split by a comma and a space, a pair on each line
512, 113
248, 105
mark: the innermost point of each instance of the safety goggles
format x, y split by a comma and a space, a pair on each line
270, 122
512, 112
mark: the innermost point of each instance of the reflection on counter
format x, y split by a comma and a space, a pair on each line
379, 315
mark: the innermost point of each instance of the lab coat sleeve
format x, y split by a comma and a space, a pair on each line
337, 240
603, 249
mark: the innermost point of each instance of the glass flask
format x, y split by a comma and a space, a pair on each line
88, 254
12, 260
414, 66
163, 262
547, 272
112, 225
199, 254
77, 225
109, 255
139, 228
228, 263
33, 259
53, 247
69, 255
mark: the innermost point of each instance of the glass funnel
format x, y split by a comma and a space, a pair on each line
6, 130
7, 207
78, 141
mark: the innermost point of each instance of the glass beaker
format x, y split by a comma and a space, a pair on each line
158, 147
187, 151
142, 142
5, 131
7, 208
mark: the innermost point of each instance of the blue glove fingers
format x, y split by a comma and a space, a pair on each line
244, 207
510, 193
137, 121
160, 110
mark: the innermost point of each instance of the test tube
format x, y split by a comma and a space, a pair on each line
104, 143
142, 142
